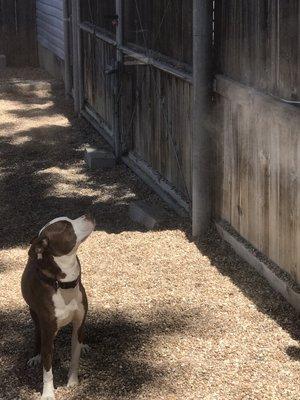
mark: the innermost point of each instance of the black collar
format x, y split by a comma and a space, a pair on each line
55, 283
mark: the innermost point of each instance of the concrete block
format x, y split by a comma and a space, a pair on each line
145, 214
2, 61
99, 158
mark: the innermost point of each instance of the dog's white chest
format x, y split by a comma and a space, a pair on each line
66, 304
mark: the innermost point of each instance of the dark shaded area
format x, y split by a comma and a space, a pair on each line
253, 286
18, 41
117, 341
120, 346
293, 352
27, 198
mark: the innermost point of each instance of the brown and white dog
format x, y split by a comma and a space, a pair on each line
51, 286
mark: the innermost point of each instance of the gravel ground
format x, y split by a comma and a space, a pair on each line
168, 318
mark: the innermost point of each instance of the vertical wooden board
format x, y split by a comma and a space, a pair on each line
284, 201
234, 166
274, 201
186, 118
272, 47
217, 140
228, 149
290, 203
244, 171
296, 238
264, 180
289, 17
252, 176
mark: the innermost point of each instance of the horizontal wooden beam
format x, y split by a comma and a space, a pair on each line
136, 55
153, 179
90, 115
92, 29
156, 63
247, 96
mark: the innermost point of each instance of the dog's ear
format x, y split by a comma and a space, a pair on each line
38, 246
33, 239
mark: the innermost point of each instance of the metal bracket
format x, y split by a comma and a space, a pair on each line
130, 61
111, 69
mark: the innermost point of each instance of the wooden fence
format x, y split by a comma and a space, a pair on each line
137, 82
18, 32
257, 187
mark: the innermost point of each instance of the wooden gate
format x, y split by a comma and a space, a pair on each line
137, 85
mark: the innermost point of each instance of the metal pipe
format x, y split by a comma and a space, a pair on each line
66, 19
202, 91
75, 59
79, 57
119, 42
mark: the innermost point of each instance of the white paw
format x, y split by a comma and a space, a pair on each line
85, 349
48, 396
73, 381
34, 361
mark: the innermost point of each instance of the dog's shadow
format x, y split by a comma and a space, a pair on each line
119, 364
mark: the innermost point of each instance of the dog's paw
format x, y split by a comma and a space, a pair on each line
85, 349
73, 381
48, 396
34, 361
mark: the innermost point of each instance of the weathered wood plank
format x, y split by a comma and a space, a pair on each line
257, 43
261, 175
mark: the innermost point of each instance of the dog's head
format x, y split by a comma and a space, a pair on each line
61, 236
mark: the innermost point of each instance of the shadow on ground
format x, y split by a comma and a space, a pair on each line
253, 286
34, 163
36, 182
118, 366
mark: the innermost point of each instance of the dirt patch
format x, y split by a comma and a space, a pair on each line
168, 319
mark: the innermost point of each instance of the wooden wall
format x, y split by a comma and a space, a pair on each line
256, 137
18, 32
50, 26
258, 43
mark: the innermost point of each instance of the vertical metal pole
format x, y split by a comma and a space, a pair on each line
79, 56
202, 91
119, 40
66, 47
75, 58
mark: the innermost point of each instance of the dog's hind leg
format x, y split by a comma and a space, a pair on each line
36, 359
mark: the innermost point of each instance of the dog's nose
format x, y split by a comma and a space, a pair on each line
89, 216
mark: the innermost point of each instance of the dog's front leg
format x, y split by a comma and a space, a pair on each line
77, 339
47, 342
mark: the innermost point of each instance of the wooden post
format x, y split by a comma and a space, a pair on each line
79, 56
68, 85
119, 42
202, 89
75, 58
